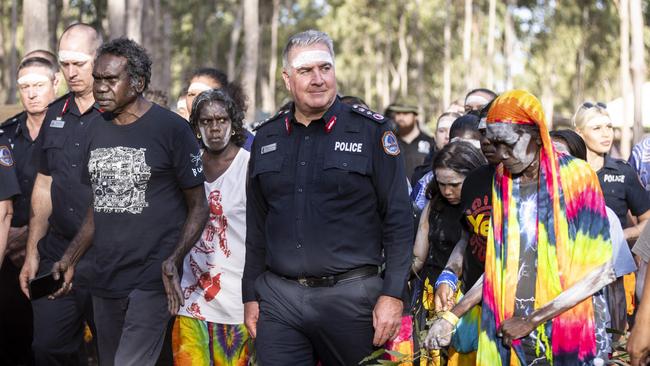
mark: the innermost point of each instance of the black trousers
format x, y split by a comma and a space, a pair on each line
301, 325
15, 319
59, 326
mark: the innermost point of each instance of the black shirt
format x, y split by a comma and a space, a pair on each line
23, 148
8, 183
415, 152
138, 173
60, 154
444, 232
622, 189
476, 204
327, 198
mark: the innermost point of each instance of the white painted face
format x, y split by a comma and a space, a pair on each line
450, 184
36, 86
442, 131
514, 148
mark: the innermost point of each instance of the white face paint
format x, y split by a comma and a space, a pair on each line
473, 142
32, 78
450, 184
511, 146
476, 100
311, 57
73, 56
198, 87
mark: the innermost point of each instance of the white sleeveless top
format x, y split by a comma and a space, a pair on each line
213, 269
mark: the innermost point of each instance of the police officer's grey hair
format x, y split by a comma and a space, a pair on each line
303, 39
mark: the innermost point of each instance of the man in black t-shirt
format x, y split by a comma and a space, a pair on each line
149, 207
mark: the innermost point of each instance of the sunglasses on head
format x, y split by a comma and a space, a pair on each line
592, 105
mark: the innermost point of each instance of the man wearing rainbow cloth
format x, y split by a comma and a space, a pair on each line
548, 250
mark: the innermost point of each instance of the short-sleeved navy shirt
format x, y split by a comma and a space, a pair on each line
622, 189
60, 154
8, 182
23, 148
138, 173
327, 198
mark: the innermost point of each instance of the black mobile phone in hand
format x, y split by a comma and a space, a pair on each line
44, 285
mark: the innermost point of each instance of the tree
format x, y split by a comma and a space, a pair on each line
35, 25
638, 65
251, 52
467, 43
116, 18
134, 10
490, 44
625, 83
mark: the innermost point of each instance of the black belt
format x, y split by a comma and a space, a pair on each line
329, 281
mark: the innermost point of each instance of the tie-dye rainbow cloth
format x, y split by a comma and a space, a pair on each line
572, 240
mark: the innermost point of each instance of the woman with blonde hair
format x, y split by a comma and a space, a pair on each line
622, 190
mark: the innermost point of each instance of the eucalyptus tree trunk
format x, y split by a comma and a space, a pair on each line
35, 25
116, 18
638, 65
467, 43
251, 53
625, 83
492, 19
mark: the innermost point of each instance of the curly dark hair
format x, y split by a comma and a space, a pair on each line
138, 64
228, 97
459, 156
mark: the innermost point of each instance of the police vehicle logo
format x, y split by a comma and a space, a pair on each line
389, 142
5, 156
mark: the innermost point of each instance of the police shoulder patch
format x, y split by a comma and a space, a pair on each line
5, 156
368, 113
389, 143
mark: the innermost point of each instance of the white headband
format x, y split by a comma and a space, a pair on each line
473, 142
181, 104
476, 100
199, 87
445, 122
309, 57
32, 78
74, 56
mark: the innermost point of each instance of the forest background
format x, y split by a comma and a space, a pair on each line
424, 52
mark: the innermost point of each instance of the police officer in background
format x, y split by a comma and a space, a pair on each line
59, 202
326, 194
8, 189
414, 144
37, 85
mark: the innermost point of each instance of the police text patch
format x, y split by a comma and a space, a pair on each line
348, 146
610, 178
5, 156
389, 143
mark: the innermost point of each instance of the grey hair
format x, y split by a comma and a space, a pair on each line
304, 39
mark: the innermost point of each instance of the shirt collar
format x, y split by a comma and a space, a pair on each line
329, 118
609, 162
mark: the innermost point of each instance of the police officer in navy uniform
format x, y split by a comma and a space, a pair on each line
327, 194
622, 189
8, 189
60, 201
37, 85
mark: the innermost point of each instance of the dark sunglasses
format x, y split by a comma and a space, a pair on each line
592, 105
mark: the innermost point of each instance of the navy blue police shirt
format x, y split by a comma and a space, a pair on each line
138, 173
60, 154
23, 148
327, 198
622, 189
9, 186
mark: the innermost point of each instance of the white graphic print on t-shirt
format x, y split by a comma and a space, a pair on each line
119, 177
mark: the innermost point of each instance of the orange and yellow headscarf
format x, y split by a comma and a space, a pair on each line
572, 240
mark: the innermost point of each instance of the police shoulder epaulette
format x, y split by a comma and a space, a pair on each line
368, 113
12, 120
259, 124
